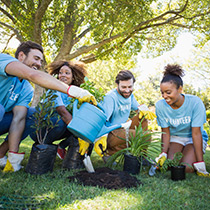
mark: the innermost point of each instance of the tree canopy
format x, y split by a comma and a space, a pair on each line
97, 29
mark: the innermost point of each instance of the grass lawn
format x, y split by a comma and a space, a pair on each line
54, 191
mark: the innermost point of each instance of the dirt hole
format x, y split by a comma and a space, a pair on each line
107, 178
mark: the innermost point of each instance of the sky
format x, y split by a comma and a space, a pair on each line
179, 54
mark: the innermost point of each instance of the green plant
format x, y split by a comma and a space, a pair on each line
90, 86
174, 163
98, 93
140, 145
45, 110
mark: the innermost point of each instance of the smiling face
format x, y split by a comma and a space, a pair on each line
171, 94
65, 75
125, 87
33, 60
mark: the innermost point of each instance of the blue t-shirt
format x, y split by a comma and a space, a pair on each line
180, 121
62, 99
13, 91
117, 108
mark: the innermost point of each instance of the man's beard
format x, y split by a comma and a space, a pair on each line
127, 94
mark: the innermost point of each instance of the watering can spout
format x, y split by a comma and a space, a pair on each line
106, 129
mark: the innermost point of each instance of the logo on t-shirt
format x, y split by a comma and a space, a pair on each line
124, 107
13, 95
179, 121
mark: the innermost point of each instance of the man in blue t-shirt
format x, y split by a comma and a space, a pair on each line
16, 93
117, 105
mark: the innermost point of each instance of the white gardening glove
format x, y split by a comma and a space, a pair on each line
144, 111
81, 94
126, 125
161, 158
13, 162
200, 168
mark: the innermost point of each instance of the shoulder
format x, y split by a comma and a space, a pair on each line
160, 103
192, 98
5, 59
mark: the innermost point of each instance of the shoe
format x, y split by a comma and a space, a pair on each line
3, 161
61, 153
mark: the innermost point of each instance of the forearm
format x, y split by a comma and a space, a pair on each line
38, 77
65, 115
165, 140
198, 145
15, 133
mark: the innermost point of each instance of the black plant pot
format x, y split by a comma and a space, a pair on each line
41, 159
178, 173
131, 164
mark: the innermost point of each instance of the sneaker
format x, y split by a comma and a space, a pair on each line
3, 161
61, 153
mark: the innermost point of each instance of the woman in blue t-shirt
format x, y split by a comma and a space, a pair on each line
71, 73
181, 117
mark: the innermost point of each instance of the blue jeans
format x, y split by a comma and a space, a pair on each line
7, 120
57, 133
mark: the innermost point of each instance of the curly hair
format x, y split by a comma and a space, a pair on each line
78, 70
173, 73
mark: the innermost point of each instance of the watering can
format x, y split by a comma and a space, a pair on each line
89, 122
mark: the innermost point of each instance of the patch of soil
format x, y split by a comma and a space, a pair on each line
107, 178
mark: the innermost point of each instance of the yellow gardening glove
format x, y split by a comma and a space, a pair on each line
13, 162
88, 99
200, 168
101, 145
161, 159
144, 111
83, 146
8, 167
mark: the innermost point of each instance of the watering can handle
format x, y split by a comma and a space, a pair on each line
75, 109
100, 106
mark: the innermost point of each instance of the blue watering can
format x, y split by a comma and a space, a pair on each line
89, 122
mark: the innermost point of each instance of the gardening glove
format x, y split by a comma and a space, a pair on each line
81, 94
101, 145
3, 161
126, 125
83, 146
13, 162
200, 168
144, 111
161, 158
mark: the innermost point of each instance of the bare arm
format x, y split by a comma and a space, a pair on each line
165, 139
17, 127
198, 143
38, 77
65, 115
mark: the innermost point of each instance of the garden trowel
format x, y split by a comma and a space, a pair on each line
87, 161
154, 167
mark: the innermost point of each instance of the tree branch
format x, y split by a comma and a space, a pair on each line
19, 37
8, 15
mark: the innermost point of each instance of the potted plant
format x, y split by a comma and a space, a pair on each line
139, 146
42, 155
176, 166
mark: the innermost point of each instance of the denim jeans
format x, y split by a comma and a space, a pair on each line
57, 133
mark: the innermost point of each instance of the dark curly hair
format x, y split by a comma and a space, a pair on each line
173, 74
78, 70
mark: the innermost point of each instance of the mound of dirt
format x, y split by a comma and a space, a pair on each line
107, 178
